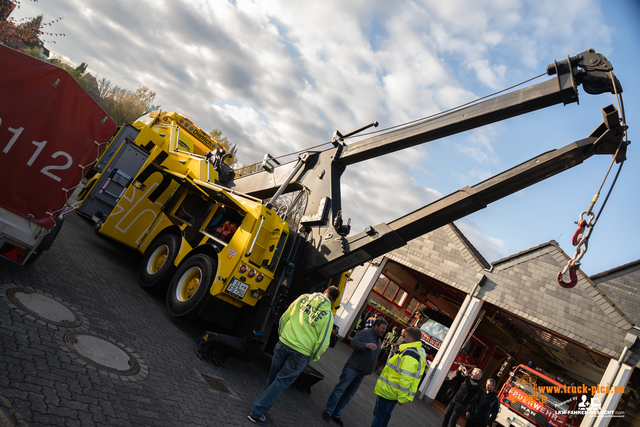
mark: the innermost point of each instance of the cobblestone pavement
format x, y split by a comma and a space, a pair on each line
43, 383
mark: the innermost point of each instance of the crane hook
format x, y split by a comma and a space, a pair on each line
573, 276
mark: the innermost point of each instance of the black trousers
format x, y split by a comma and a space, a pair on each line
476, 422
453, 412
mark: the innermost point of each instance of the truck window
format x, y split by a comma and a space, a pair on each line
477, 352
467, 348
435, 329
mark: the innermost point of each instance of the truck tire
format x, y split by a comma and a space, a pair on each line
447, 391
190, 286
157, 267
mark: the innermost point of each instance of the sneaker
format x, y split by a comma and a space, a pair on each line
338, 421
326, 416
259, 419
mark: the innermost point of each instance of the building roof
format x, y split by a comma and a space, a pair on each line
622, 285
524, 284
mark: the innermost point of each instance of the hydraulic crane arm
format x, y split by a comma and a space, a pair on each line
589, 69
319, 172
383, 238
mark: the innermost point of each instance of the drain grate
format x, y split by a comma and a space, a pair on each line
216, 384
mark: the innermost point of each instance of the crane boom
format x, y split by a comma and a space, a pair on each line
383, 238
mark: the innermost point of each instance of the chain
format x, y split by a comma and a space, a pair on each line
581, 236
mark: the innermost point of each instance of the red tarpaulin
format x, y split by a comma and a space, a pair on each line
49, 126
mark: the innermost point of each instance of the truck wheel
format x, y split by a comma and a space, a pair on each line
34, 256
157, 265
447, 391
190, 286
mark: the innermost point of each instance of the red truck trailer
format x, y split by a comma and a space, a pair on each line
51, 132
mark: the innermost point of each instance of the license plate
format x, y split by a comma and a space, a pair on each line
237, 288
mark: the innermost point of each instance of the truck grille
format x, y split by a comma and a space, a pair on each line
529, 413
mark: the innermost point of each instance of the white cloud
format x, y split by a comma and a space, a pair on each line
279, 76
384, 189
491, 248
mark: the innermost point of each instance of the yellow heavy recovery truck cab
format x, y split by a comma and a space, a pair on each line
131, 147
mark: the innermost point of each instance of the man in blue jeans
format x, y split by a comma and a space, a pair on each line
366, 348
304, 331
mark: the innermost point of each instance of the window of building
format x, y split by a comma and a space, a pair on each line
380, 285
400, 297
390, 291
477, 352
412, 306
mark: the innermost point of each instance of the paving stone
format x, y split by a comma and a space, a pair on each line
98, 278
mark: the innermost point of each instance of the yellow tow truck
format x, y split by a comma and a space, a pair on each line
155, 190
227, 254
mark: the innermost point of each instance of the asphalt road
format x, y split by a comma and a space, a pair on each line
85, 290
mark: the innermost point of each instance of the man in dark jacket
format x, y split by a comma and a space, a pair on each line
469, 388
484, 407
366, 347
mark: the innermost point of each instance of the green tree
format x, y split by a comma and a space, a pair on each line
125, 106
82, 68
35, 52
70, 68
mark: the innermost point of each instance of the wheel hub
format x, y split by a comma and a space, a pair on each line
160, 261
189, 284
192, 286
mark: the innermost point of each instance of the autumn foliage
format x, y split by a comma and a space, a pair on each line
28, 31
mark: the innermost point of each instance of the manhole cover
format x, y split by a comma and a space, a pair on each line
44, 308
101, 353
216, 384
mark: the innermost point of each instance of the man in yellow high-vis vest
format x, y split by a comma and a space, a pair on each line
399, 380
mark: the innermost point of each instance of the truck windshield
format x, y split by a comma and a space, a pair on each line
540, 389
434, 329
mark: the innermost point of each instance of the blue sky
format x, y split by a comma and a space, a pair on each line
280, 76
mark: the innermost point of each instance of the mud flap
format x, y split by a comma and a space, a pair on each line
307, 378
216, 348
